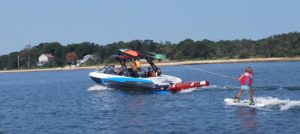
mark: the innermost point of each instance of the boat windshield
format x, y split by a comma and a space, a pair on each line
107, 69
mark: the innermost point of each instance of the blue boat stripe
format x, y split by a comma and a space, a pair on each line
127, 79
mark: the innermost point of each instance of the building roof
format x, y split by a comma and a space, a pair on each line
49, 55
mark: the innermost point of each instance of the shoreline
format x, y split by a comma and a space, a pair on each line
218, 61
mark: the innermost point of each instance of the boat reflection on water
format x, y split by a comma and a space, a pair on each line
248, 119
115, 109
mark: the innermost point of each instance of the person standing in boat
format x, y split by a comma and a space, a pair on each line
133, 71
150, 72
138, 63
246, 83
158, 72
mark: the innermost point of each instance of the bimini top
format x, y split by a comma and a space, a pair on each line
125, 54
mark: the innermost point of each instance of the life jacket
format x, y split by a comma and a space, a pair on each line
247, 79
138, 63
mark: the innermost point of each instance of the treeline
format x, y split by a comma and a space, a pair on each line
283, 45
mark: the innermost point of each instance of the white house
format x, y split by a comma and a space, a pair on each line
44, 59
85, 59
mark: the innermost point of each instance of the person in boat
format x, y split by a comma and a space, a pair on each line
158, 72
150, 72
133, 71
138, 64
246, 83
119, 71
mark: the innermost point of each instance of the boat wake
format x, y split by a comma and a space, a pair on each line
276, 103
210, 87
189, 90
98, 88
217, 87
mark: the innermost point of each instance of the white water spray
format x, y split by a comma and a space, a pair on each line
275, 102
189, 90
98, 88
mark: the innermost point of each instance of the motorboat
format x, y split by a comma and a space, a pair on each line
129, 78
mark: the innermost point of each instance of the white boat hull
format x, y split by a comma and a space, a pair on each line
130, 83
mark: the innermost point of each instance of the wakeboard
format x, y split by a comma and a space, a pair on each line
231, 102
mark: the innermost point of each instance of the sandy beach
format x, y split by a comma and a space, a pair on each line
170, 63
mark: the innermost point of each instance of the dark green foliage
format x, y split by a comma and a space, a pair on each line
82, 49
283, 45
243, 55
9, 61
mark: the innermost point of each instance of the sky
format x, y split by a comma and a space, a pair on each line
30, 22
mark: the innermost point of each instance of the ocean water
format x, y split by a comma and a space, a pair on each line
70, 102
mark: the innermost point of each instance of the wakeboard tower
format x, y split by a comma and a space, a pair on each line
139, 80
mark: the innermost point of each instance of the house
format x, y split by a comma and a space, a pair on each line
44, 59
85, 59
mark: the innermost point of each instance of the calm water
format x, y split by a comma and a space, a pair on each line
70, 102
